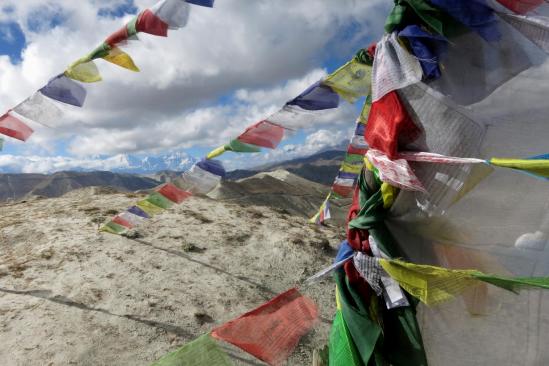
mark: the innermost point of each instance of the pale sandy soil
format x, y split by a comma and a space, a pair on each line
70, 295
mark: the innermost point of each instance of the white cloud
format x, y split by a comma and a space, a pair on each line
254, 53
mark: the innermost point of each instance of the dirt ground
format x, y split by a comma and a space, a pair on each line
70, 295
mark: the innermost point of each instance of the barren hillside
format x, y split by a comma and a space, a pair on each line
70, 295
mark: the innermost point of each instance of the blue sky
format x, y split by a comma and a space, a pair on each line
189, 95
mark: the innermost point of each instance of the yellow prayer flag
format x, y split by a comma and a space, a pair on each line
430, 284
217, 152
538, 167
351, 81
388, 192
149, 208
350, 168
84, 70
121, 58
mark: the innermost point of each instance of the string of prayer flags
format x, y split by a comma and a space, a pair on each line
202, 177
351, 81
397, 172
175, 13
272, 331
39, 109
203, 351
323, 213
12, 126
426, 47
264, 134
65, 90
388, 124
394, 67
536, 29
521, 6
475, 15
433, 285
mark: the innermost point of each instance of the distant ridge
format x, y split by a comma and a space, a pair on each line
320, 167
17, 186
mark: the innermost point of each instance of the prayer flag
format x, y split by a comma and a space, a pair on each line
316, 97
388, 124
342, 350
264, 134
273, 330
397, 173
150, 208
394, 68
39, 109
202, 351
197, 180
113, 228
159, 200
149, 23
120, 58
521, 6
175, 13
206, 3
535, 28
535, 167
139, 212
84, 70
120, 36
351, 81
120, 221
212, 166
65, 90
131, 218
13, 127
173, 193
475, 15
427, 48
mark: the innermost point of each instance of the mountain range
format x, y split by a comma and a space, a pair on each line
146, 173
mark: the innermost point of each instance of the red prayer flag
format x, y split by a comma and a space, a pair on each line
14, 127
173, 193
120, 221
117, 37
521, 6
273, 330
264, 134
343, 191
356, 150
388, 124
147, 22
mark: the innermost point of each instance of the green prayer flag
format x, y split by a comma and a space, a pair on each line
113, 228
202, 351
159, 200
408, 12
239, 146
342, 350
365, 333
513, 284
132, 27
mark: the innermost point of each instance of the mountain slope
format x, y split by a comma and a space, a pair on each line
320, 167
